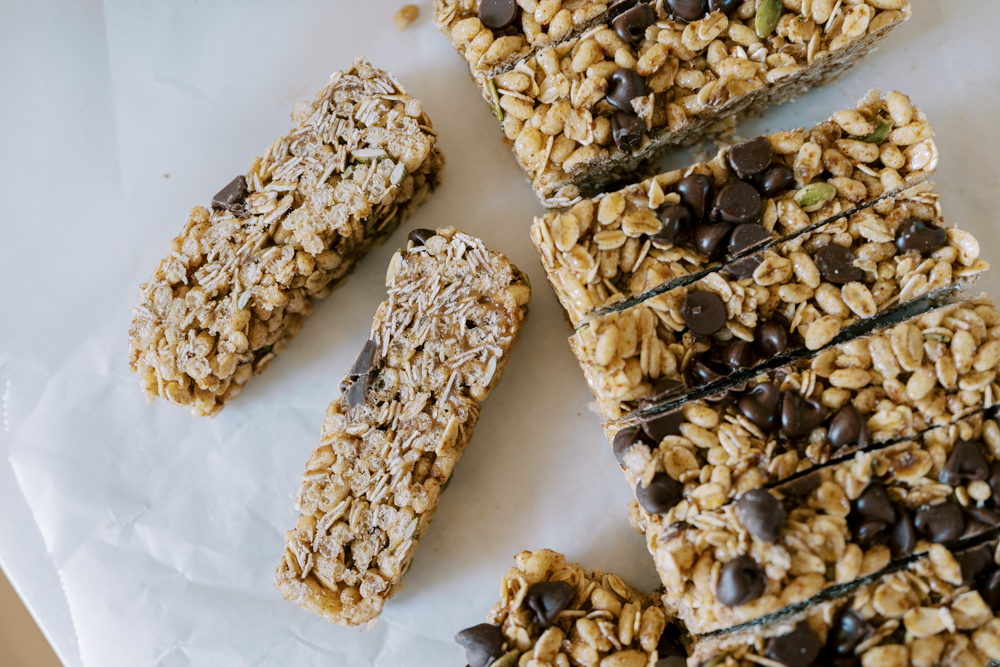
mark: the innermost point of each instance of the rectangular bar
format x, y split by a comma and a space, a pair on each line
616, 249
238, 281
585, 110
437, 347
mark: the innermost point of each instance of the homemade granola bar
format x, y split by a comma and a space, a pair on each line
553, 612
937, 372
780, 547
391, 440
238, 280
587, 108
845, 277
616, 249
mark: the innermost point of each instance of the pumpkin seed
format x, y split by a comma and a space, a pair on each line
399, 172
812, 197
508, 659
879, 135
369, 154
768, 15
491, 85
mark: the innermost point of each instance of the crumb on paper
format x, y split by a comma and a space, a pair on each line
406, 15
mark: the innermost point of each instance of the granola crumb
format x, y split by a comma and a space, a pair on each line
406, 15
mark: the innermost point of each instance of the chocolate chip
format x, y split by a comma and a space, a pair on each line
774, 180
740, 581
624, 85
974, 562
631, 24
770, 339
660, 496
737, 203
627, 130
750, 157
702, 374
869, 532
800, 415
760, 405
836, 264
711, 239
660, 426
903, 535
662, 391
483, 644
966, 463
356, 391
916, 235
724, 6
547, 599
704, 313
620, 7
799, 648
498, 14
803, 486
940, 523
368, 362
676, 220
849, 629
420, 236
626, 438
990, 591
745, 237
688, 10
233, 197
874, 503
983, 515
994, 481
761, 514
737, 354
697, 192
848, 427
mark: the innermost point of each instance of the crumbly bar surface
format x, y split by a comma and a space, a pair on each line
436, 348
617, 246
561, 106
929, 376
800, 297
239, 279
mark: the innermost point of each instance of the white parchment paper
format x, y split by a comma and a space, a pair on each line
140, 535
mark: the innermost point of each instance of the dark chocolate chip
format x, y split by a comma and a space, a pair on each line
627, 130
836, 264
803, 486
990, 590
620, 7
983, 515
711, 239
631, 24
994, 482
704, 313
624, 85
761, 514
498, 14
849, 629
848, 427
760, 405
737, 354
916, 235
233, 197
357, 390
800, 415
940, 523
799, 648
688, 10
420, 236
974, 562
903, 535
966, 463
660, 426
750, 157
660, 496
874, 503
547, 599
368, 362
770, 339
483, 644
676, 219
869, 532
626, 438
697, 192
746, 237
774, 180
741, 581
702, 374
737, 203
724, 6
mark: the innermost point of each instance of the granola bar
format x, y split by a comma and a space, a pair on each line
616, 249
553, 612
843, 279
408, 407
940, 610
932, 376
239, 279
781, 547
584, 109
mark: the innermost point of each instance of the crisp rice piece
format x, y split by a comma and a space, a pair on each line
240, 278
390, 442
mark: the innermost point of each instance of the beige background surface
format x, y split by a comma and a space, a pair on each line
22, 644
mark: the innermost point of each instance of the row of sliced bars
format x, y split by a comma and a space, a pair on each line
605, 88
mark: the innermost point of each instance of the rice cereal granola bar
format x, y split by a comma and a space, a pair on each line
408, 408
239, 279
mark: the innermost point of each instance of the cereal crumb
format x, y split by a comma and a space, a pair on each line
406, 15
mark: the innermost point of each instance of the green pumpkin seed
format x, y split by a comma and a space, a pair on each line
399, 172
717, 660
508, 659
244, 299
880, 134
814, 196
369, 154
348, 173
491, 85
768, 15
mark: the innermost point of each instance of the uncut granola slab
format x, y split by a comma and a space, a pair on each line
585, 109
616, 249
554, 612
239, 279
846, 276
937, 372
437, 347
